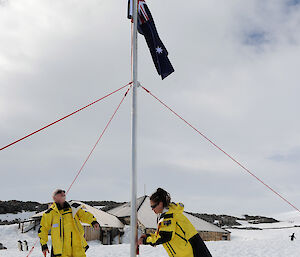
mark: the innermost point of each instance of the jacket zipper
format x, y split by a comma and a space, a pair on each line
71, 239
60, 226
63, 228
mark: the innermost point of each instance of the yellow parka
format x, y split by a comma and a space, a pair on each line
177, 234
67, 233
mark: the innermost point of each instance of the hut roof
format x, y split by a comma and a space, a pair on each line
148, 218
124, 210
38, 215
104, 219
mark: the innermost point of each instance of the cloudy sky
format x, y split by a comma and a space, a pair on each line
237, 80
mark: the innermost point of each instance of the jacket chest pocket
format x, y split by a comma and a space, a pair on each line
56, 226
56, 229
67, 219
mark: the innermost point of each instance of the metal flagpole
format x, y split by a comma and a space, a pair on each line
133, 220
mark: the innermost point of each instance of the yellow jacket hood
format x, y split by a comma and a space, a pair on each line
176, 208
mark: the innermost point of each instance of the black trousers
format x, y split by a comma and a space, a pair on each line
199, 248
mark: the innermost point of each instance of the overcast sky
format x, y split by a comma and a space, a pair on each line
237, 80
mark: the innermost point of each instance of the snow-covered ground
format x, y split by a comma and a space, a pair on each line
21, 215
99, 206
287, 220
244, 243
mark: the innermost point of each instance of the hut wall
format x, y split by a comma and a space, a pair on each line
214, 236
91, 233
105, 235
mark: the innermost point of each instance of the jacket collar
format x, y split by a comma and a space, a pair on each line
161, 215
65, 206
56, 207
75, 207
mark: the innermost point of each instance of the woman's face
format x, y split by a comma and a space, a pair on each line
157, 207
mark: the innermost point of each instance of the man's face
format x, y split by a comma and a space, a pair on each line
60, 197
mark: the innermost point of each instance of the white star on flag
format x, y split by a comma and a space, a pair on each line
159, 50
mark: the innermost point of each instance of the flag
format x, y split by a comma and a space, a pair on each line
147, 28
130, 5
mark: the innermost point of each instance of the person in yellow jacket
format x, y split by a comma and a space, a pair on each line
67, 234
175, 232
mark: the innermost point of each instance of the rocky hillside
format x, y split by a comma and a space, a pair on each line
230, 221
15, 207
107, 205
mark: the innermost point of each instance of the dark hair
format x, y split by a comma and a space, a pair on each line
161, 195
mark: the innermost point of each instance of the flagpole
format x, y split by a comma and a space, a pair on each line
133, 221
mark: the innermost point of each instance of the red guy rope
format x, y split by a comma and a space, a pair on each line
91, 152
31, 250
228, 155
21, 139
94, 147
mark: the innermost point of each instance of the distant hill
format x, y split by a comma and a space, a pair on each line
230, 221
14, 207
107, 205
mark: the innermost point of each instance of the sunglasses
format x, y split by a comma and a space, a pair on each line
60, 191
154, 206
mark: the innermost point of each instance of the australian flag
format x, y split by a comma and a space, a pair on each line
146, 27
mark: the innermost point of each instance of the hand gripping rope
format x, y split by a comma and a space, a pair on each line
219, 148
91, 152
49, 125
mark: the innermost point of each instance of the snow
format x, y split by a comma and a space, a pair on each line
287, 220
99, 206
290, 217
126, 237
244, 243
21, 215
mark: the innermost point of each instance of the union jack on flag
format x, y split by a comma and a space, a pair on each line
142, 17
146, 27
